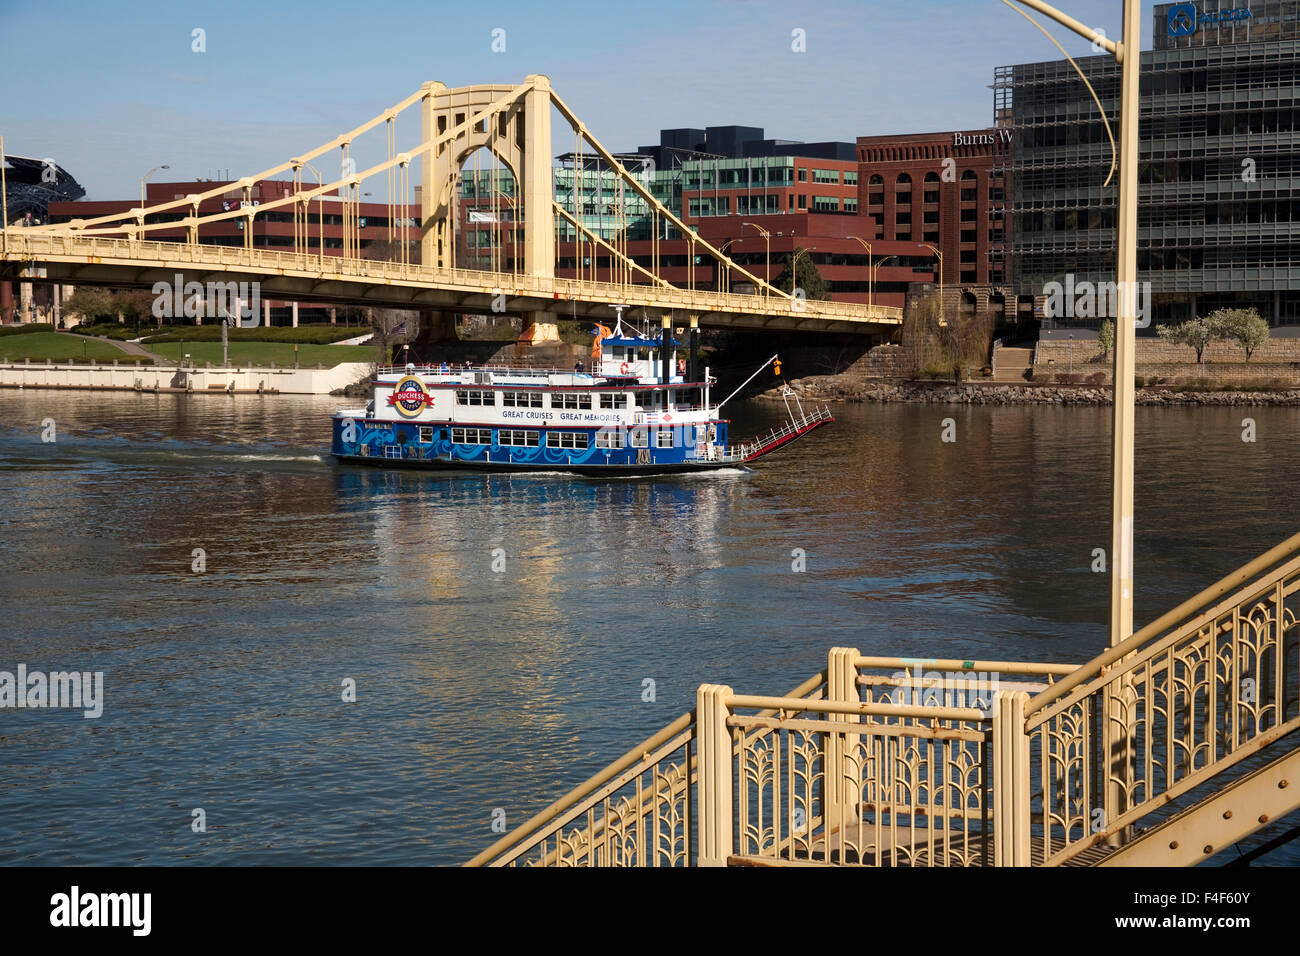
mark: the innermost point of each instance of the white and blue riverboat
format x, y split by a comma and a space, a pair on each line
640, 409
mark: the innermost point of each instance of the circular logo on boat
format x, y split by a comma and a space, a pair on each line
409, 397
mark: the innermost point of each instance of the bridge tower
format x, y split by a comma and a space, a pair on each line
518, 135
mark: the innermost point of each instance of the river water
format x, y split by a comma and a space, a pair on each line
479, 689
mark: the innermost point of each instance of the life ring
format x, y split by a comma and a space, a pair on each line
623, 369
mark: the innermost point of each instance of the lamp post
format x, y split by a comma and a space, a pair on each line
1128, 54
937, 252
767, 240
142, 182
875, 270
145, 177
866, 245
794, 267
320, 205
726, 269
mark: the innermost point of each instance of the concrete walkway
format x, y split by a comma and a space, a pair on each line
132, 348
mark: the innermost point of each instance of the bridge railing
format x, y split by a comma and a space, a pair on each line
1158, 718
555, 288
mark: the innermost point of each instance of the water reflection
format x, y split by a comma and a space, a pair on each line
480, 689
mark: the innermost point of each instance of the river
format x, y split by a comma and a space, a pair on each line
479, 689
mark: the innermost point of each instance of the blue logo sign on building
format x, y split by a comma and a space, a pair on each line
1182, 19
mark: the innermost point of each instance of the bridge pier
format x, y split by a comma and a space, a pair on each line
542, 328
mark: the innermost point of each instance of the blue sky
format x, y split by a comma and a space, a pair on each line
111, 89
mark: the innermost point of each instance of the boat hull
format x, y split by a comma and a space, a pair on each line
590, 471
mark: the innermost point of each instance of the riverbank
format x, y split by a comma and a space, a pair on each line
175, 378
827, 388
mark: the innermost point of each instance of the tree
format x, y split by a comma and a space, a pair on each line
808, 278
92, 304
1106, 336
132, 305
1195, 333
1244, 326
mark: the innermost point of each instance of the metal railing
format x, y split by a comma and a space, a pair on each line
797, 425
641, 810
949, 763
170, 255
1164, 714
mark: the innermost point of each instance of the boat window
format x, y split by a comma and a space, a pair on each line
471, 436
567, 440
473, 396
521, 399
426, 433
518, 437
664, 438
639, 437
570, 400
608, 400
609, 438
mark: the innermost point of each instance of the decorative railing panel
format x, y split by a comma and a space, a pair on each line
1164, 714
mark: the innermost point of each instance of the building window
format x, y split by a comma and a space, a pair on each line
567, 440
474, 397
664, 438
803, 202
803, 175
826, 204
517, 437
571, 400
521, 399
471, 436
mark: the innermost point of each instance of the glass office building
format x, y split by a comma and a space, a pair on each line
1219, 163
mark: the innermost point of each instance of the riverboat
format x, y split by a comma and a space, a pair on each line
640, 409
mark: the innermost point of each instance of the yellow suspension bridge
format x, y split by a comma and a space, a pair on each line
511, 123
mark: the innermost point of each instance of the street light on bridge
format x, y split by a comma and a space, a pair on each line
142, 182
320, 205
767, 240
866, 245
726, 269
939, 253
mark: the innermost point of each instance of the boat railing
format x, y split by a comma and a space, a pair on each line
797, 425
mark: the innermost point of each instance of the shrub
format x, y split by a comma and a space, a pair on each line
107, 330
24, 329
1096, 378
303, 335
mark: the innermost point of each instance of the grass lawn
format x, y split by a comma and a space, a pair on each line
264, 353
57, 347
